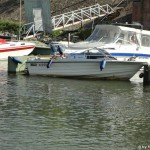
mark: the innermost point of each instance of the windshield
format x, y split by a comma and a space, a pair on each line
103, 35
145, 40
127, 37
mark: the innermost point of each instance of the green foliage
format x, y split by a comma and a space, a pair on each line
9, 26
57, 33
62, 33
83, 33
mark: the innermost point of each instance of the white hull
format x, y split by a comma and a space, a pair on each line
84, 68
123, 43
15, 49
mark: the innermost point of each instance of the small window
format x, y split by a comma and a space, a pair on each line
132, 37
145, 40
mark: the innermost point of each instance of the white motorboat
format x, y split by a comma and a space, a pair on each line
91, 63
121, 42
20, 48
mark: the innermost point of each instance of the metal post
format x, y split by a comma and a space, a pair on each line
20, 20
68, 39
146, 79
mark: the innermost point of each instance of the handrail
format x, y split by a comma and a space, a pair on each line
117, 6
80, 15
73, 17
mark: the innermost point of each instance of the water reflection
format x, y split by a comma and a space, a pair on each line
55, 113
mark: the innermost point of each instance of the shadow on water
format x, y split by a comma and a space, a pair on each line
57, 113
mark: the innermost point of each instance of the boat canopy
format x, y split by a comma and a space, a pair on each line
106, 34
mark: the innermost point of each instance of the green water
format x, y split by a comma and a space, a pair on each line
42, 113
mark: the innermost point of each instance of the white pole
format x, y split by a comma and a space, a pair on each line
20, 20
68, 39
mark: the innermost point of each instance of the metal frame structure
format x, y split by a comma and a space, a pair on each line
80, 15
72, 18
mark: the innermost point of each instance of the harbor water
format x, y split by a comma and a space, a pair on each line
43, 113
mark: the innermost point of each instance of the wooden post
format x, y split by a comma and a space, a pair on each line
142, 12
146, 79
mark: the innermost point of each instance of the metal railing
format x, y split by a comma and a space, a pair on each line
71, 18
74, 17
31, 29
80, 15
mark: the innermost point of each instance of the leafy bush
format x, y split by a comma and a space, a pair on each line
81, 33
84, 33
9, 26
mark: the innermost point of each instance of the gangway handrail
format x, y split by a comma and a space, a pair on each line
80, 15
74, 17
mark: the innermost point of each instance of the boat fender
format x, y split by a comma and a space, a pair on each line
53, 49
102, 64
60, 50
17, 61
141, 75
49, 63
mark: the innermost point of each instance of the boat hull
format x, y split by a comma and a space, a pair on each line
15, 49
85, 68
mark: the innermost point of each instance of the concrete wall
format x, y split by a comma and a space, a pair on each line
141, 12
44, 5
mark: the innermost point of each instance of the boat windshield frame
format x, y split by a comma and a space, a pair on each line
92, 53
109, 34
104, 34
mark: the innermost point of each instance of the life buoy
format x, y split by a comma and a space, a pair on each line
53, 49
60, 50
102, 64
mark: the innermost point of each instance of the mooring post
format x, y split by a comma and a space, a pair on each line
146, 79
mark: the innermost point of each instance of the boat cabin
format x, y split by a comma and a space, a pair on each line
107, 34
120, 41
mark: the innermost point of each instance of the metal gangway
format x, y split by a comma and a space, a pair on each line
80, 16
71, 18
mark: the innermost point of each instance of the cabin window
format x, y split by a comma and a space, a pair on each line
103, 35
132, 38
145, 40
120, 39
